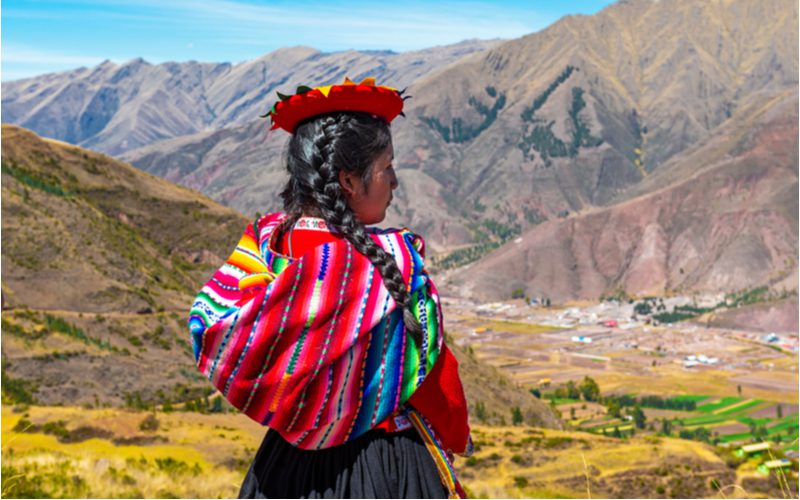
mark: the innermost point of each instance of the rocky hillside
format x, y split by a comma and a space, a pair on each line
722, 217
114, 108
100, 264
569, 118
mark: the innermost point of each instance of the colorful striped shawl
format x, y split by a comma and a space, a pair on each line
314, 347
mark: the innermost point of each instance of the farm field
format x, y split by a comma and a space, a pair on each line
729, 420
625, 359
745, 390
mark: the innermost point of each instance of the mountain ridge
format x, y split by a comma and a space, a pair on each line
113, 108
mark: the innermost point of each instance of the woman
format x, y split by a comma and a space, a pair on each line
328, 332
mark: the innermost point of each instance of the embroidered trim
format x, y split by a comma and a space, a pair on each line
442, 459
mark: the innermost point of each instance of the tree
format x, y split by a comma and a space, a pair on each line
516, 415
572, 413
739, 390
614, 409
666, 427
779, 411
590, 389
702, 434
616, 433
639, 417
572, 390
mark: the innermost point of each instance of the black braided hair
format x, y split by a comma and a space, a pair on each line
319, 148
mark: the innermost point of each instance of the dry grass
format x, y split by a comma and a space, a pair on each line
576, 464
207, 456
197, 456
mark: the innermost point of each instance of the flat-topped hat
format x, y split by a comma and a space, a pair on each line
365, 96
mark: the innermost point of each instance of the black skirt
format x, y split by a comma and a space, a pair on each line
375, 465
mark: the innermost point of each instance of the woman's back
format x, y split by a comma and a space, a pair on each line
330, 333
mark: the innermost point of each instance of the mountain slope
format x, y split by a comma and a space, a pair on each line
729, 223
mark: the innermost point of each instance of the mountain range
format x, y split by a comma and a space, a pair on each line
114, 108
604, 152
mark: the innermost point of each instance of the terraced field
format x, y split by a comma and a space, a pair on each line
718, 415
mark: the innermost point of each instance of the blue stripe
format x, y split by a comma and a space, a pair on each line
392, 376
372, 377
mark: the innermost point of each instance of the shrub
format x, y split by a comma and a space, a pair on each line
57, 428
516, 415
556, 441
520, 481
15, 390
480, 411
149, 423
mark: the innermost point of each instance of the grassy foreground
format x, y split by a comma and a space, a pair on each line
105, 452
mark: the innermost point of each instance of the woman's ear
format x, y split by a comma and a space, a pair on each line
350, 183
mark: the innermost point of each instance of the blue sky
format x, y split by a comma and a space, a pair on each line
50, 35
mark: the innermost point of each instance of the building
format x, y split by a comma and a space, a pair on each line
751, 450
772, 465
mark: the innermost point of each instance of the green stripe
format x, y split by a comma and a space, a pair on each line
410, 369
433, 330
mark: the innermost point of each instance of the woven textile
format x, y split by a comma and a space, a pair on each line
315, 347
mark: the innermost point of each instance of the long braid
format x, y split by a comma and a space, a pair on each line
320, 188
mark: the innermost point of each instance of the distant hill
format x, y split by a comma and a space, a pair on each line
100, 265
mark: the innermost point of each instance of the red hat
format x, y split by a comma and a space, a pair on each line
385, 102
